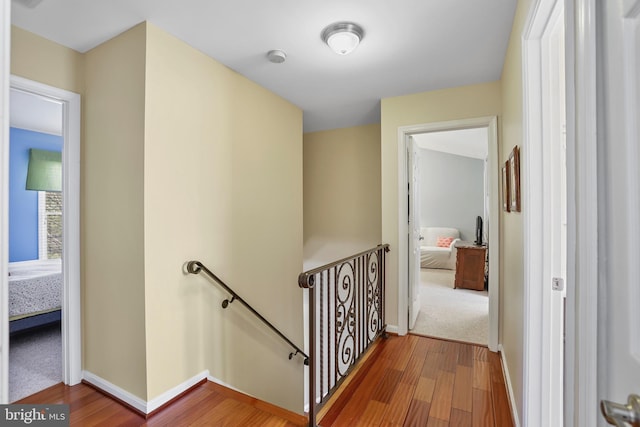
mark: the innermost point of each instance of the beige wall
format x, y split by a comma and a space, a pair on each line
112, 212
341, 193
182, 159
511, 244
41, 60
223, 184
480, 100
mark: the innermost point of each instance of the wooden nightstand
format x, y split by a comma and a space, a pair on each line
470, 263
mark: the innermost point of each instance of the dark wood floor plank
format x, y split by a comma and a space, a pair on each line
463, 389
398, 406
465, 356
372, 415
418, 414
357, 402
188, 411
480, 353
442, 396
401, 358
387, 386
481, 375
337, 404
496, 368
432, 364
501, 410
463, 419
424, 389
482, 414
434, 422
450, 358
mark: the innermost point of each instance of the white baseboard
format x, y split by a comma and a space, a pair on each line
136, 402
165, 397
507, 380
230, 387
114, 390
392, 329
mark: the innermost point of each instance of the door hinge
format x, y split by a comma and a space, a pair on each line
557, 284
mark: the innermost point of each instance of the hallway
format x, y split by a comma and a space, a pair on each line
408, 380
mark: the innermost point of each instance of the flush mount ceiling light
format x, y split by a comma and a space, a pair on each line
342, 37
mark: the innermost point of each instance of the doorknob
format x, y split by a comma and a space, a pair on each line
619, 415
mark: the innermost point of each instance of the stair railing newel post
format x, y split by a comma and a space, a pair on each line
307, 281
312, 356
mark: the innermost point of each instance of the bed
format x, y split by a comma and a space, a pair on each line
35, 294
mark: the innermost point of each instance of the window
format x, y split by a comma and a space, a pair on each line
49, 225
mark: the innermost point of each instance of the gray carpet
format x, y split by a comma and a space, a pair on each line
454, 314
35, 361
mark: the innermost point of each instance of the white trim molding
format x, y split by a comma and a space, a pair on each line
176, 391
71, 303
507, 379
115, 391
138, 403
540, 353
392, 329
230, 387
581, 384
404, 132
5, 49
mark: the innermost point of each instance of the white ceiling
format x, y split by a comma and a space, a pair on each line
409, 45
466, 142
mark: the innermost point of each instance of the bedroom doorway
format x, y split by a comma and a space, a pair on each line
43, 240
453, 204
409, 239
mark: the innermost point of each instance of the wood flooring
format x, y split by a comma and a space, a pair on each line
404, 381
418, 381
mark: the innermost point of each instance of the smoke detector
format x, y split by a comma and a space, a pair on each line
276, 56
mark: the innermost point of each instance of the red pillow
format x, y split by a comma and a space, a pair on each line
444, 242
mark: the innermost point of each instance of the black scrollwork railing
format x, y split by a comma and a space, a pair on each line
194, 267
346, 315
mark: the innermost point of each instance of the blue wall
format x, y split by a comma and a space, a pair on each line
23, 204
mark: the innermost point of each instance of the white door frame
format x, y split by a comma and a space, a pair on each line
404, 132
542, 354
582, 265
71, 302
5, 50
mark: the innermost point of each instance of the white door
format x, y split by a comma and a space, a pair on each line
413, 157
619, 230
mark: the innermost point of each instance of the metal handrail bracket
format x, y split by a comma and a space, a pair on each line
194, 267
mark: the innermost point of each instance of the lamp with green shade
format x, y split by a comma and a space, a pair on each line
45, 170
